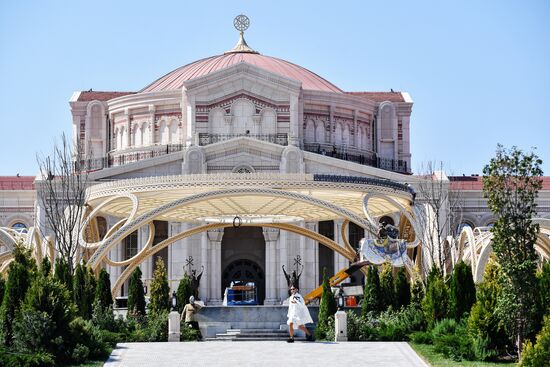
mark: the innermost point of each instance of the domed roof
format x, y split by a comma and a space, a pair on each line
176, 78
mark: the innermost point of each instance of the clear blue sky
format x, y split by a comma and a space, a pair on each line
478, 71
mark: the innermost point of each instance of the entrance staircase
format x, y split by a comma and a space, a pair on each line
241, 335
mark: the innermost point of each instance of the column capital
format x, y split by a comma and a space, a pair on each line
271, 234
215, 235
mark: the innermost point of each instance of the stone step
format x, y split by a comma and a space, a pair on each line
256, 331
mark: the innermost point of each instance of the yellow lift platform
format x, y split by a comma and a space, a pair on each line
335, 280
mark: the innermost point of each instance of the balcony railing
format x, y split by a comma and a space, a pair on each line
114, 159
365, 157
207, 138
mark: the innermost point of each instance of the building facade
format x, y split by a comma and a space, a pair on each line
240, 164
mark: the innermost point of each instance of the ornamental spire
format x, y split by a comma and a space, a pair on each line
241, 23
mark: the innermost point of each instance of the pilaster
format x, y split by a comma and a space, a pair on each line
215, 240
271, 235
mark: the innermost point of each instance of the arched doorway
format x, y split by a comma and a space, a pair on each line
243, 257
245, 271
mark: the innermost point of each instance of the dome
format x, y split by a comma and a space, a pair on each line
176, 78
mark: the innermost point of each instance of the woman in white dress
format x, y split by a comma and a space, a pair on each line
298, 315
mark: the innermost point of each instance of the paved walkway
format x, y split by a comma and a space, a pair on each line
264, 354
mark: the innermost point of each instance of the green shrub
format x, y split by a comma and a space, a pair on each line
83, 333
462, 291
33, 331
421, 337
538, 354
188, 334
484, 324
20, 274
402, 289
397, 325
103, 290
387, 287
160, 291
372, 294
417, 292
63, 274
434, 303
184, 291
10, 358
136, 297
451, 339
156, 327
2, 289
327, 309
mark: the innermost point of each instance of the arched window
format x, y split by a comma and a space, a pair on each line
346, 135
174, 132
164, 132
124, 137
463, 225
309, 134
268, 123
242, 111
386, 128
320, 132
137, 135
19, 227
146, 134
338, 134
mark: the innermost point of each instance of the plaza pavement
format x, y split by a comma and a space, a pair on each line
264, 354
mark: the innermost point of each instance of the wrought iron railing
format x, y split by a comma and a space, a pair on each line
207, 138
114, 159
365, 157
364, 181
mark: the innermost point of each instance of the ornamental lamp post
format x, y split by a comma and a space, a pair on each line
341, 299
174, 301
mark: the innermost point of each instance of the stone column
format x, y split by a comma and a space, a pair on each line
331, 124
215, 277
283, 260
271, 235
152, 124
355, 130
128, 128
340, 262
308, 282
294, 121
203, 287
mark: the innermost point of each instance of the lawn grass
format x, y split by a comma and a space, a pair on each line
426, 352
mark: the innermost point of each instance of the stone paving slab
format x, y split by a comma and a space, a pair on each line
264, 354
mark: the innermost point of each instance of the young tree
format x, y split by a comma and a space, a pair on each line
417, 291
80, 295
136, 296
20, 274
46, 266
462, 291
511, 183
63, 274
372, 300
544, 289
2, 288
184, 291
160, 291
103, 290
440, 213
484, 324
327, 309
402, 289
435, 303
62, 195
538, 354
386, 287
90, 287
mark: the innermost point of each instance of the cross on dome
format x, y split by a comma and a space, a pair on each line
241, 23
